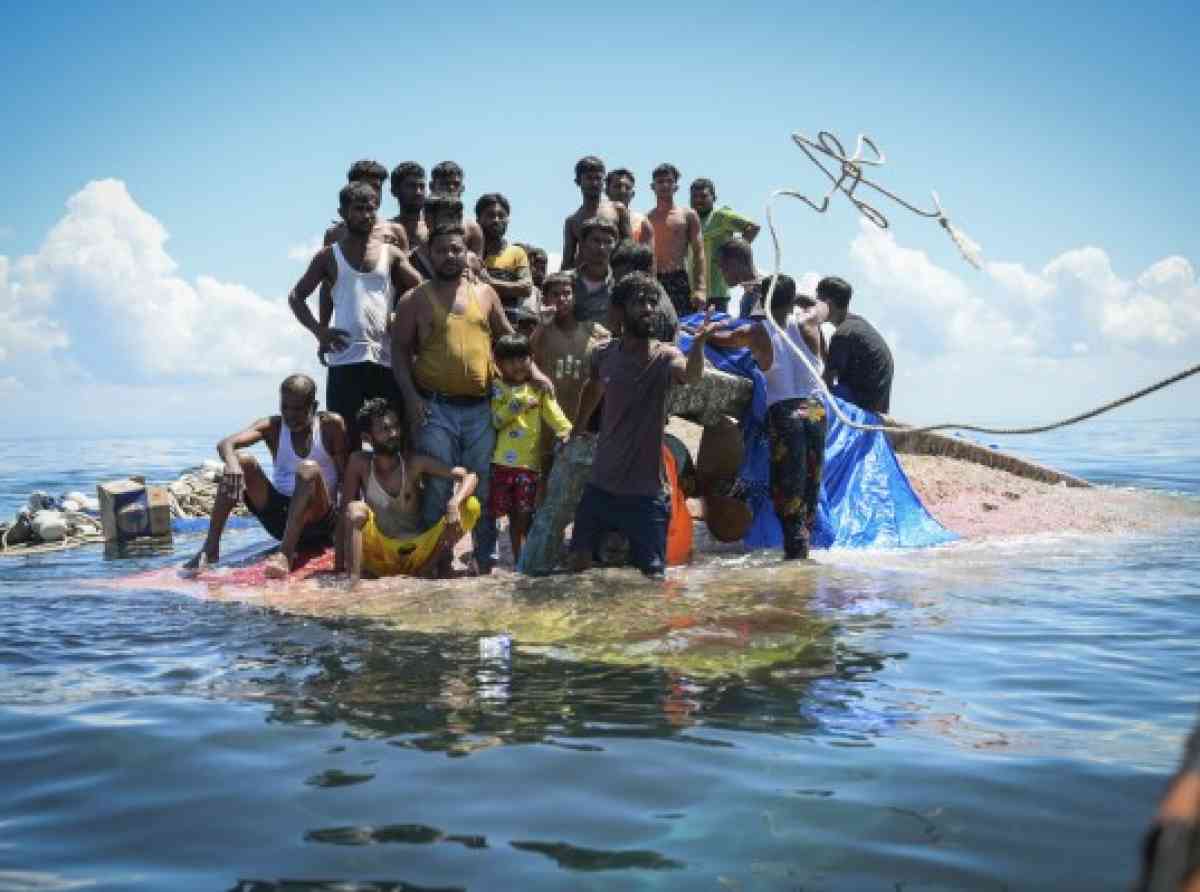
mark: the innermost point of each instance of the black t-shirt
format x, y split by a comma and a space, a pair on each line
863, 363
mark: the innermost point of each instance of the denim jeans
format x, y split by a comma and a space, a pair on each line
464, 436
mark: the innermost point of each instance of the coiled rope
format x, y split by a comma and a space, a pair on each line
851, 170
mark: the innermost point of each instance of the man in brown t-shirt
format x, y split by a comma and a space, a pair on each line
627, 491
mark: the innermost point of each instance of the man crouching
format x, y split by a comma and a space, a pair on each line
296, 505
382, 532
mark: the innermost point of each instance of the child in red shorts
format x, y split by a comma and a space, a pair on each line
518, 411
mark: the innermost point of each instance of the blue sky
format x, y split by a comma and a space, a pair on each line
200, 149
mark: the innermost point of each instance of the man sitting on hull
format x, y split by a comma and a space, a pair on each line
296, 504
382, 533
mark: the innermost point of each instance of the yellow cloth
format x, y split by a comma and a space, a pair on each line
508, 264
455, 360
404, 557
518, 412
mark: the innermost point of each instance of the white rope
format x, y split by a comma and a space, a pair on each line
851, 177
851, 168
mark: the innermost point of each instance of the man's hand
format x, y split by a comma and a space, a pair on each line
707, 327
699, 300
418, 412
332, 340
565, 437
540, 382
233, 483
453, 527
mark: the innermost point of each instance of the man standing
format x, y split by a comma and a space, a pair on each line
447, 178
676, 230
795, 413
589, 177
860, 364
735, 258
364, 275
373, 174
409, 188
505, 266
442, 358
618, 186
593, 276
627, 492
719, 225
296, 504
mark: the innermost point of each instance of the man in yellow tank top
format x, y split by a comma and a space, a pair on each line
442, 359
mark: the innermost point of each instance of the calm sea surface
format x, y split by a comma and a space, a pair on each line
980, 716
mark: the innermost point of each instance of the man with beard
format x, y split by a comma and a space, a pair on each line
589, 176
719, 225
618, 186
442, 359
676, 230
373, 174
296, 504
447, 178
364, 275
505, 266
382, 533
409, 188
628, 492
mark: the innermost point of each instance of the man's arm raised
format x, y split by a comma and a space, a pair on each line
753, 336
699, 266
692, 370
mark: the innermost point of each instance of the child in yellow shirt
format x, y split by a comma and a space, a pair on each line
518, 412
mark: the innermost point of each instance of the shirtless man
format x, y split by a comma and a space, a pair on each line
364, 275
409, 188
296, 504
676, 230
589, 176
382, 533
373, 174
618, 186
443, 208
447, 178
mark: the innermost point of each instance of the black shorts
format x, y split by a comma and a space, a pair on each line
642, 519
347, 387
273, 517
679, 289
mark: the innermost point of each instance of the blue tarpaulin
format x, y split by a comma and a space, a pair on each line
866, 499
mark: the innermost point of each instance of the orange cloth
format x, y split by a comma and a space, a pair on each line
679, 531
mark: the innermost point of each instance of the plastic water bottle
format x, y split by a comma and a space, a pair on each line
496, 647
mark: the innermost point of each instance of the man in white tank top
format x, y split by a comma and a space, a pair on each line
365, 276
795, 412
296, 503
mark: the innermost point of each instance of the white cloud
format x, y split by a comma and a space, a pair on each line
25, 329
104, 272
304, 251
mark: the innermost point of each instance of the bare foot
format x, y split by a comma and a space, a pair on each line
198, 564
277, 566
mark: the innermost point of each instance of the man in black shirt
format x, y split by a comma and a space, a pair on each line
860, 364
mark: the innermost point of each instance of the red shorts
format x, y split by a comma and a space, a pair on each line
512, 489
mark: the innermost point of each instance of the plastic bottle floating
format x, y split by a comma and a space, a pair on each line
850, 177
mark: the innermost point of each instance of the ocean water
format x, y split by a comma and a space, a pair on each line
979, 716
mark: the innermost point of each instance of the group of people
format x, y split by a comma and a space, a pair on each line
463, 364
